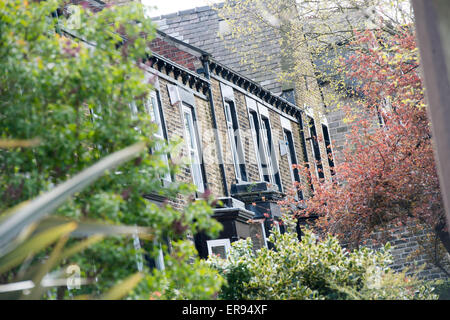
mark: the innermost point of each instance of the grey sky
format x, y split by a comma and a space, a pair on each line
171, 6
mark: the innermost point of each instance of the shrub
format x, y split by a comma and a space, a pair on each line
442, 288
313, 269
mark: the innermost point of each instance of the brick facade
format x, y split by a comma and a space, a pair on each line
176, 66
173, 53
180, 65
200, 27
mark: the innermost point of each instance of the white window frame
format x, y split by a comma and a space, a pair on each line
265, 144
263, 227
291, 170
234, 138
286, 126
233, 132
311, 143
251, 106
190, 137
231, 139
272, 162
277, 225
331, 145
151, 106
159, 261
219, 243
272, 158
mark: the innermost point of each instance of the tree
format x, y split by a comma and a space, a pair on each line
68, 84
305, 39
388, 178
364, 56
296, 44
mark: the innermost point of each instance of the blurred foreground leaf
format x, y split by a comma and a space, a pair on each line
122, 288
34, 245
16, 143
22, 216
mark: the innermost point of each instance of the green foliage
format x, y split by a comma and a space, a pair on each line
185, 278
442, 288
312, 269
65, 104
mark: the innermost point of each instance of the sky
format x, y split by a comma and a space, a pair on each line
171, 6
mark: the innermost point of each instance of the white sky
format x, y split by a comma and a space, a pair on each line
171, 6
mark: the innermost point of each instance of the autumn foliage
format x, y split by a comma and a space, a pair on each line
388, 177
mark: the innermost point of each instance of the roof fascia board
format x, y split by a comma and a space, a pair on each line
254, 97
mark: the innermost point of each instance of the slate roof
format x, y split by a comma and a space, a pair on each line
200, 26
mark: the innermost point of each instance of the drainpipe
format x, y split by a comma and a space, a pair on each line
205, 61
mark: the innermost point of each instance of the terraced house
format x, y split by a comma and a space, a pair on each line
243, 130
263, 55
241, 140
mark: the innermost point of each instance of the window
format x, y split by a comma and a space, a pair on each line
137, 247
254, 126
292, 159
235, 140
224, 28
270, 152
262, 138
326, 137
260, 135
219, 247
159, 261
186, 102
192, 145
134, 110
315, 148
258, 233
153, 108
233, 132
289, 95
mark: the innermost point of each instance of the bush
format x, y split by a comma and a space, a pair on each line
65, 106
442, 288
313, 269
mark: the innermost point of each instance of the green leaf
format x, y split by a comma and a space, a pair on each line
90, 228
122, 288
34, 245
14, 143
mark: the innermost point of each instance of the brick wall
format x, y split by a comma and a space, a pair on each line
247, 139
413, 248
175, 54
175, 129
200, 27
339, 123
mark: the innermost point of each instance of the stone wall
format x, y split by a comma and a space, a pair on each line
416, 248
